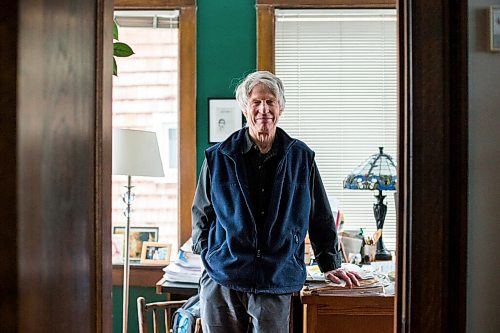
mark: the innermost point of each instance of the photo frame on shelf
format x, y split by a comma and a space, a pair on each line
224, 118
138, 235
494, 28
154, 253
117, 247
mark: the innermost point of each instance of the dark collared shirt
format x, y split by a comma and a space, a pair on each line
260, 176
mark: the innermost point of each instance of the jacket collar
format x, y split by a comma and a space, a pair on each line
239, 142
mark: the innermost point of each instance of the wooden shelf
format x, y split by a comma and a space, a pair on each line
140, 275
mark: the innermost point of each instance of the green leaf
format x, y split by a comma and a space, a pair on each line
122, 50
115, 30
115, 68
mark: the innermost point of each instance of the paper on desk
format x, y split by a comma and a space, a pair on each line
314, 273
187, 246
186, 267
188, 260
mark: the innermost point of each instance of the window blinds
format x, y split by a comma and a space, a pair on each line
339, 69
147, 19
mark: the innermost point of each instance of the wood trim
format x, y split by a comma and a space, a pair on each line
434, 109
187, 102
402, 211
187, 119
310, 323
459, 155
153, 4
328, 3
103, 134
158, 286
10, 303
140, 275
369, 305
265, 38
266, 22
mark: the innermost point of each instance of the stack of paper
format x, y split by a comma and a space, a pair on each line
314, 274
186, 267
369, 283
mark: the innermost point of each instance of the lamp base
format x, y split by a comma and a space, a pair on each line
382, 253
379, 210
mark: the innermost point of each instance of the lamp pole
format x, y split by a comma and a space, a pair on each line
126, 264
135, 153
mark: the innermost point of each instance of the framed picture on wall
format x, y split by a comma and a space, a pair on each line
156, 253
138, 235
224, 117
495, 28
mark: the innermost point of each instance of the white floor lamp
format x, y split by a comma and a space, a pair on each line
135, 153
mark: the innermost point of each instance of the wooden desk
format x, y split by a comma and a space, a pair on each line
329, 314
176, 290
347, 314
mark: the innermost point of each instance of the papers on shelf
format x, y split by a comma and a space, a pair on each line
188, 260
187, 246
176, 273
186, 267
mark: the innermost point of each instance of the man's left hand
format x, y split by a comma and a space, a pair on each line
339, 274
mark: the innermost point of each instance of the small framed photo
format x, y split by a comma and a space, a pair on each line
224, 117
155, 253
117, 247
495, 28
138, 235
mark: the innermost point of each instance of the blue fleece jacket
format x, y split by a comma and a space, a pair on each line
235, 255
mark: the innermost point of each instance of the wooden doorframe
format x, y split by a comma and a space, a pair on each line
432, 154
103, 169
103, 139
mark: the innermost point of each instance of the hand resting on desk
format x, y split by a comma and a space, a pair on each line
350, 277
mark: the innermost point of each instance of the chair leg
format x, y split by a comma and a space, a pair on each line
156, 326
168, 319
141, 314
197, 328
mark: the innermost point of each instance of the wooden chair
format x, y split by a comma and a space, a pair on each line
168, 308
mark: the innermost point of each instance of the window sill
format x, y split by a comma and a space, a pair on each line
140, 275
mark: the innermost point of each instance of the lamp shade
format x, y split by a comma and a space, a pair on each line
377, 173
136, 153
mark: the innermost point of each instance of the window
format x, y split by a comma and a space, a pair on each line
145, 96
339, 68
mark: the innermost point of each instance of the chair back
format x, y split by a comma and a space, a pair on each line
167, 307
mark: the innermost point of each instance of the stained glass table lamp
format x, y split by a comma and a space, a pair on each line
377, 173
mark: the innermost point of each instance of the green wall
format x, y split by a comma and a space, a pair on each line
226, 52
148, 293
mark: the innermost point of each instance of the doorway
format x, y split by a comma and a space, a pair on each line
432, 142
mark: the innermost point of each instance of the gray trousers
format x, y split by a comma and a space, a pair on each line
224, 310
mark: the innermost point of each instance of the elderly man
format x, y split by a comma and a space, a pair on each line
258, 194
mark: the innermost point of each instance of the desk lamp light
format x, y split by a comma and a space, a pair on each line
135, 153
377, 173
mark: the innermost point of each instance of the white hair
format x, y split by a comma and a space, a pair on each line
271, 81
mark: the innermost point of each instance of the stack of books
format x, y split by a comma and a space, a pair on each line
187, 267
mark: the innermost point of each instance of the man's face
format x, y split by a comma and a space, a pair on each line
263, 110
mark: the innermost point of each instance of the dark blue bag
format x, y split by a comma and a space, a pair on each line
184, 318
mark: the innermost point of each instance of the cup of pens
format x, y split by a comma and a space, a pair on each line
369, 250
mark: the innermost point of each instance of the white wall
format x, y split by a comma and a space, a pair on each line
483, 280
